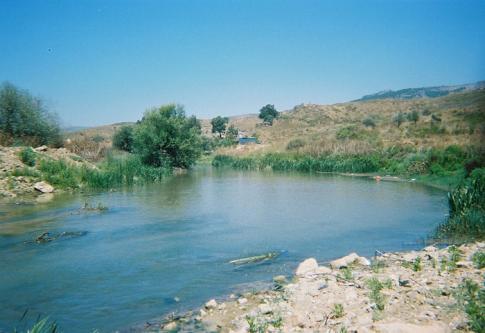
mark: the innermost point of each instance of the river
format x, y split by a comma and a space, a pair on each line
165, 247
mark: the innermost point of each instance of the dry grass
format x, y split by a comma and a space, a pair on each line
319, 126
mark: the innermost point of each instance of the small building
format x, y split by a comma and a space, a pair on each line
247, 140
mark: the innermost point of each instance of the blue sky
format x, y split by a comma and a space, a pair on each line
99, 62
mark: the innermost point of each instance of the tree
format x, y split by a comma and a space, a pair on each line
123, 138
268, 113
25, 120
219, 125
399, 118
165, 137
413, 116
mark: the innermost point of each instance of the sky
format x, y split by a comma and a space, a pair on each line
106, 61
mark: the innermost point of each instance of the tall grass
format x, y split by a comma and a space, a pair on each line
467, 210
113, 172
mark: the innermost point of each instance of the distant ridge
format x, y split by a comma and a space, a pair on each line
425, 92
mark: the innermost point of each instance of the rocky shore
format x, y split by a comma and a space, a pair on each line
17, 179
432, 290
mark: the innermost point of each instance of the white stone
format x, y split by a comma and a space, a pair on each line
307, 266
323, 270
242, 300
211, 304
265, 308
349, 259
41, 148
43, 187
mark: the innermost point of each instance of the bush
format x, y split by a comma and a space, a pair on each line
348, 132
413, 116
295, 144
123, 138
28, 156
369, 122
24, 120
467, 209
399, 118
165, 137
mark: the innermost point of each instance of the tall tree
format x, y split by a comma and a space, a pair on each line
219, 125
268, 113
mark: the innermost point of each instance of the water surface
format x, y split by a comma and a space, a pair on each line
175, 239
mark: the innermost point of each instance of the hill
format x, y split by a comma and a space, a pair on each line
424, 92
363, 126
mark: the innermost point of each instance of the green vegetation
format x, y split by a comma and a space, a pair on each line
219, 125
471, 297
338, 311
123, 139
166, 138
113, 172
42, 326
268, 113
369, 122
24, 120
467, 210
478, 259
375, 295
295, 144
399, 118
28, 156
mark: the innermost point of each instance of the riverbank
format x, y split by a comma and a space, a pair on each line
432, 290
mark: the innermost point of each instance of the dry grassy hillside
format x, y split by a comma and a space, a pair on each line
353, 127
454, 119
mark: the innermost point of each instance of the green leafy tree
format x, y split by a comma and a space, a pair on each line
232, 133
25, 120
165, 137
219, 125
268, 113
123, 138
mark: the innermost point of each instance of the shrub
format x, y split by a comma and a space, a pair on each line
399, 118
348, 132
369, 122
466, 209
123, 138
471, 296
28, 156
478, 259
413, 116
165, 137
25, 120
295, 144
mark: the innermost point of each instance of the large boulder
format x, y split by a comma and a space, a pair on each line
43, 187
307, 266
352, 258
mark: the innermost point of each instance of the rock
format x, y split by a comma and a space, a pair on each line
280, 279
242, 300
43, 187
349, 259
41, 148
464, 264
307, 266
211, 304
323, 270
265, 308
430, 248
170, 326
202, 313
